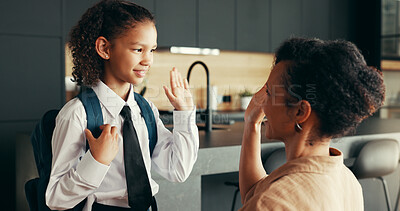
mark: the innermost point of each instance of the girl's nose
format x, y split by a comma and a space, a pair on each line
147, 59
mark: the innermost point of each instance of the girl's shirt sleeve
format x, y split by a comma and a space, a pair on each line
75, 173
176, 151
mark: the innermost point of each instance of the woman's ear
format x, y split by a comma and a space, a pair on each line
303, 111
103, 47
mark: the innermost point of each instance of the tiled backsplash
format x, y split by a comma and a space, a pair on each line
230, 73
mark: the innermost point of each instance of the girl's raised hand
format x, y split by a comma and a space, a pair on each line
179, 95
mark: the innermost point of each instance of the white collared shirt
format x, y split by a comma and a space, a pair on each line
76, 175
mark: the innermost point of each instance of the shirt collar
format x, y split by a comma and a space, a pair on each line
312, 164
111, 101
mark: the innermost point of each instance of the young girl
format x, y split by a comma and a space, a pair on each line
112, 48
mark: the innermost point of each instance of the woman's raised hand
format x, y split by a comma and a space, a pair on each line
254, 112
179, 95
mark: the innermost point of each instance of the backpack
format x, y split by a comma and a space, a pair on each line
35, 189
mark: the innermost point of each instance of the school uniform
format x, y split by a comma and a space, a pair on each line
76, 175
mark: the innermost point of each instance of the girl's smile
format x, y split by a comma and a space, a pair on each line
140, 73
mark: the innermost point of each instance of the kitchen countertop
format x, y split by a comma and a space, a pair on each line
231, 135
219, 117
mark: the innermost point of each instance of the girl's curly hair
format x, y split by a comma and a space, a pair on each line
334, 77
108, 18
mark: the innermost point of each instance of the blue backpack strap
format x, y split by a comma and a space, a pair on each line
93, 111
149, 119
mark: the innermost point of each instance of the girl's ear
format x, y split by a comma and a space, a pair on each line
303, 111
103, 47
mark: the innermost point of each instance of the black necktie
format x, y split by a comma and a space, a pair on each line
137, 181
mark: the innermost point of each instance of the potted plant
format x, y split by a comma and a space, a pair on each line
245, 98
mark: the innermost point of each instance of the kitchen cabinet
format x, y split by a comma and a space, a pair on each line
253, 25
74, 9
148, 4
195, 23
31, 18
286, 20
315, 19
31, 74
342, 19
217, 24
31, 77
176, 22
246, 25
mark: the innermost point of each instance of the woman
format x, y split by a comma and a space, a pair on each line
317, 90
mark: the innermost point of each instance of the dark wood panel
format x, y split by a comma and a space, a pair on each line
286, 20
315, 21
74, 9
216, 24
31, 76
253, 25
341, 19
148, 4
176, 22
31, 17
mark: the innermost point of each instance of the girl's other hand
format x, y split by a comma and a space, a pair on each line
105, 148
179, 95
254, 113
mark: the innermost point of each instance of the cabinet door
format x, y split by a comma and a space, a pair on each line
217, 24
27, 17
74, 9
286, 20
315, 21
176, 22
148, 4
253, 25
31, 76
343, 19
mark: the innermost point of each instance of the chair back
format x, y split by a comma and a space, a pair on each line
274, 160
376, 158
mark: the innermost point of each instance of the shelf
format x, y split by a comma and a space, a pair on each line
390, 65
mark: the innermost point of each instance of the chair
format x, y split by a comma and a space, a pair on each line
376, 159
274, 160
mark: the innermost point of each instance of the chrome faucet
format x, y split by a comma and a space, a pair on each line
208, 112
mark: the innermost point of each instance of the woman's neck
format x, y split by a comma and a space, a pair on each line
301, 146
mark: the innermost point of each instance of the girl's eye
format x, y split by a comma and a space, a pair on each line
152, 50
137, 50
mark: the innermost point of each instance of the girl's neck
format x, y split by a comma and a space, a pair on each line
121, 89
